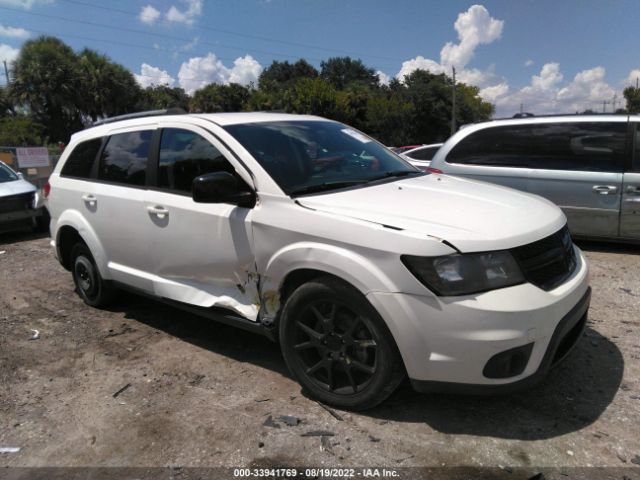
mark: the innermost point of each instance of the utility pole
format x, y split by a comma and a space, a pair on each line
453, 103
6, 71
604, 105
615, 101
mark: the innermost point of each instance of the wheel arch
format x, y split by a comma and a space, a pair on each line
71, 227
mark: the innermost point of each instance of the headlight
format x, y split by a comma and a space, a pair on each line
463, 274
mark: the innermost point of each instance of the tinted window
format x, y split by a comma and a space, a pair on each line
185, 155
80, 162
303, 155
124, 159
553, 146
423, 154
636, 157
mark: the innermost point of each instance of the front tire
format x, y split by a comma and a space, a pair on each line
90, 285
338, 347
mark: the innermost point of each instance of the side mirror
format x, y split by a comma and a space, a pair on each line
221, 187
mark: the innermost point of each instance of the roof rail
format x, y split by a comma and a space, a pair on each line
148, 113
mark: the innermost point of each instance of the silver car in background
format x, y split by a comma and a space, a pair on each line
421, 156
21, 205
589, 165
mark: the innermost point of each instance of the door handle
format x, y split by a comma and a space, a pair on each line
632, 189
90, 199
604, 189
158, 211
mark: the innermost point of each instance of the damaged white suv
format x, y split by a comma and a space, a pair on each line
363, 267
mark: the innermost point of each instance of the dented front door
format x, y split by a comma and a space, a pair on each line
201, 254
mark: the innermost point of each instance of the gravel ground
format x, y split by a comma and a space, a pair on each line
195, 393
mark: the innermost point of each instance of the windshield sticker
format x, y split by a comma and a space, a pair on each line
357, 135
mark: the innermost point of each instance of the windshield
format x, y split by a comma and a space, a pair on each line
6, 174
313, 156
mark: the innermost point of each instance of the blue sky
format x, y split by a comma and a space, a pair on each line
550, 56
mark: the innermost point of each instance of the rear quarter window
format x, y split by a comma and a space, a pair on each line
124, 158
578, 146
80, 162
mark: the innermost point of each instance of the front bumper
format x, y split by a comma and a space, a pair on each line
564, 338
447, 342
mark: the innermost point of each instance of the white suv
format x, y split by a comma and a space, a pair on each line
363, 267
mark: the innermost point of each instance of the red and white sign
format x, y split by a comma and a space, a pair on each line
32, 157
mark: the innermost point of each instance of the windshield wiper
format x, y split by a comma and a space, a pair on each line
325, 186
396, 174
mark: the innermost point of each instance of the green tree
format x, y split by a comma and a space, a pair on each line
341, 71
282, 75
431, 97
159, 97
5, 103
389, 118
108, 88
313, 96
46, 79
220, 98
20, 131
632, 96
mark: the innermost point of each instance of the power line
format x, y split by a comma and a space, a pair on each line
239, 34
141, 32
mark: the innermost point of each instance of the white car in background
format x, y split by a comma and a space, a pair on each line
421, 156
363, 267
21, 205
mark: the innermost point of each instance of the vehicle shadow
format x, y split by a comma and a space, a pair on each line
608, 247
205, 333
17, 236
572, 397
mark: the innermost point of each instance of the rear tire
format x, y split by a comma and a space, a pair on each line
90, 285
337, 346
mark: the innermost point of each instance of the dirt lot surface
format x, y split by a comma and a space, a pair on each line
196, 393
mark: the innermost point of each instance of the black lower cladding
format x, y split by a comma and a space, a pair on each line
509, 363
565, 336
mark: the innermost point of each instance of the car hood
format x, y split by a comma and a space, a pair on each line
472, 216
15, 187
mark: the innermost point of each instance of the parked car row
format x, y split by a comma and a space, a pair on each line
364, 268
587, 165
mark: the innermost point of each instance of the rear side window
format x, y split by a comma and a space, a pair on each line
581, 146
80, 162
124, 158
636, 153
185, 155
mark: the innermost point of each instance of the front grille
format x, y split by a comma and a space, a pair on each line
548, 262
16, 203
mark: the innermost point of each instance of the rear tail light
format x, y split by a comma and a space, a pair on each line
46, 189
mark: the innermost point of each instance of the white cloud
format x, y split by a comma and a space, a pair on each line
150, 75
634, 76
26, 4
200, 71
529, 63
490, 94
8, 53
188, 15
13, 32
421, 63
475, 27
149, 15
383, 78
546, 94
245, 70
